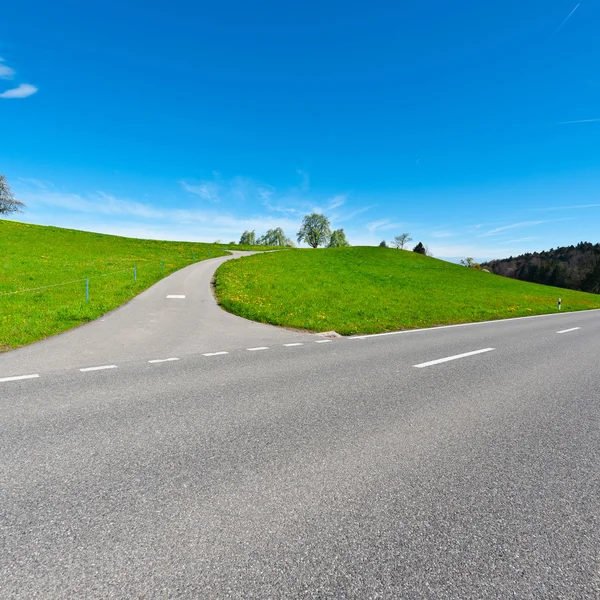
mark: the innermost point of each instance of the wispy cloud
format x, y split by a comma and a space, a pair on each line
206, 190
23, 91
382, 225
143, 216
498, 230
575, 207
562, 24
340, 218
580, 121
443, 234
6, 72
336, 201
523, 239
99, 203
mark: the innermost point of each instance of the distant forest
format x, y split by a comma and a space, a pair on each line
573, 267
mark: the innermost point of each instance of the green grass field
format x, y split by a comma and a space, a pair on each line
371, 290
33, 256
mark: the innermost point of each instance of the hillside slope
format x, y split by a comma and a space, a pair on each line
370, 290
36, 256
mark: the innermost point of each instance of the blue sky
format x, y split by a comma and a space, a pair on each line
474, 126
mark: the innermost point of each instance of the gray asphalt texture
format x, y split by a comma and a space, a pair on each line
327, 470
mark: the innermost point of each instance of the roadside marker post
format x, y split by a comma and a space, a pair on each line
559, 303
87, 289
135, 273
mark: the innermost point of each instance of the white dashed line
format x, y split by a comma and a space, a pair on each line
162, 360
102, 368
449, 358
296, 344
215, 353
18, 378
322, 341
567, 330
178, 296
259, 348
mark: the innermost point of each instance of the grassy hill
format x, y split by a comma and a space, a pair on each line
33, 256
371, 290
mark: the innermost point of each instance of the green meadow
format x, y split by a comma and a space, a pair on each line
35, 256
363, 290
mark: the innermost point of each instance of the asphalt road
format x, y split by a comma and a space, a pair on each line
350, 468
152, 325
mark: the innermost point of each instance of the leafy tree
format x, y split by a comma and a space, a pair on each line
401, 240
338, 239
383, 244
248, 238
469, 262
315, 230
428, 252
8, 203
274, 237
289, 242
419, 248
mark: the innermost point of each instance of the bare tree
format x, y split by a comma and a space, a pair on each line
8, 202
401, 240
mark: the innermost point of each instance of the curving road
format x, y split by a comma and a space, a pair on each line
152, 325
456, 462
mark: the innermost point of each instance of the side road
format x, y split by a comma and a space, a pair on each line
176, 316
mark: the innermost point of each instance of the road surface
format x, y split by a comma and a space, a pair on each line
457, 462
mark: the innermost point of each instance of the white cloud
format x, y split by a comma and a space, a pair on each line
23, 91
5, 71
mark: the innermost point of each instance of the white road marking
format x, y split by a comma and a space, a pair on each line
176, 296
296, 344
18, 378
102, 368
567, 330
449, 358
322, 341
162, 360
215, 353
259, 348
405, 331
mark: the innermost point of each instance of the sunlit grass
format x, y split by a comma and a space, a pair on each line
371, 290
33, 256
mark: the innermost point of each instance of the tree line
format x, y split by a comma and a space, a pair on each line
573, 267
315, 231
